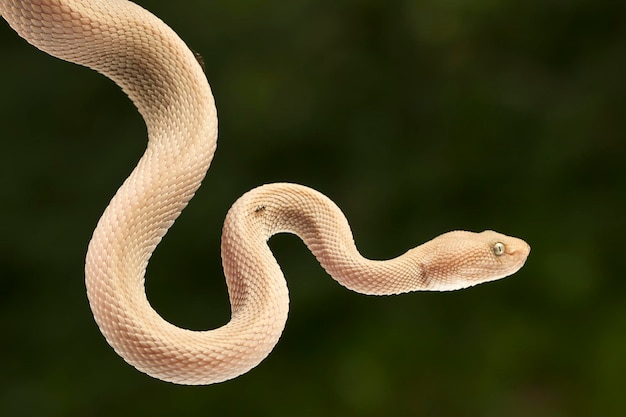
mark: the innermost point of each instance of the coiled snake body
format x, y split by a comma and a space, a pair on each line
162, 77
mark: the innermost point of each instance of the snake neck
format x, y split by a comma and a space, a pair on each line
292, 208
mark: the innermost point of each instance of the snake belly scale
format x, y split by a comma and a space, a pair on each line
162, 77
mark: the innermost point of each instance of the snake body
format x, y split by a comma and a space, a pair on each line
164, 80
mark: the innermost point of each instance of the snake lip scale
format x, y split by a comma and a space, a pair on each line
163, 78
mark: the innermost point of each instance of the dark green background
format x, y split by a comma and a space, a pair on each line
416, 117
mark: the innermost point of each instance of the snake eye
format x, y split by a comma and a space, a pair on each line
498, 249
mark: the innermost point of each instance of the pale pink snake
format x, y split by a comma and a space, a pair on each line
162, 77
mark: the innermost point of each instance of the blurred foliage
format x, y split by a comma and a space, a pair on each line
416, 117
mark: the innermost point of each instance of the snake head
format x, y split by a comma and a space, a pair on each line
461, 259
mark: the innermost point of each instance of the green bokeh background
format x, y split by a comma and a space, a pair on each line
416, 117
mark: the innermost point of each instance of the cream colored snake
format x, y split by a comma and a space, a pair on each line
163, 79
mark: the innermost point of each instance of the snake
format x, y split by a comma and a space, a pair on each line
168, 86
